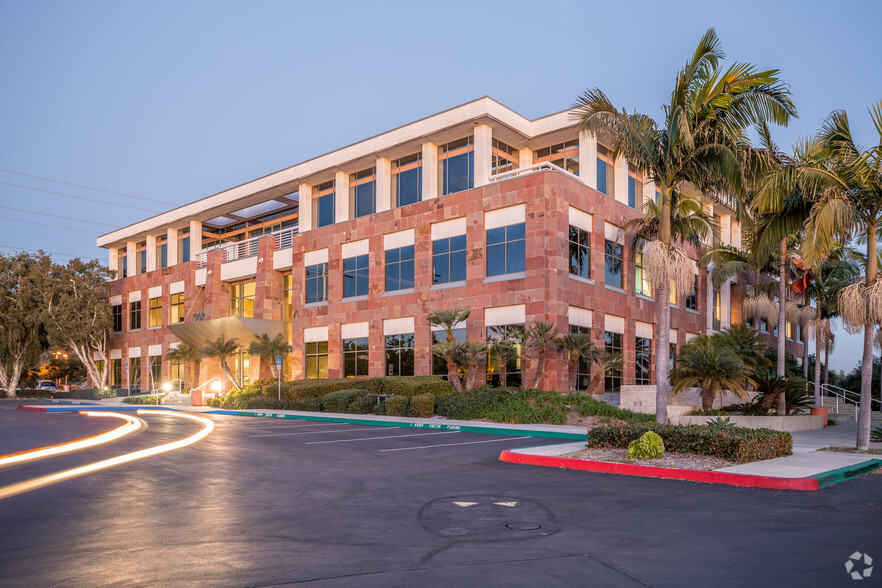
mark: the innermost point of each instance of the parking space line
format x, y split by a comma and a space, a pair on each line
314, 432
384, 437
298, 425
451, 444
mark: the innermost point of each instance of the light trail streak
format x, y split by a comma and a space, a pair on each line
49, 479
132, 424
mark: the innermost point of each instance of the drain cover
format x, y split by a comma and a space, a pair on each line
524, 526
483, 517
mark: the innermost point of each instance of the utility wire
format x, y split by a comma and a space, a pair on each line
44, 251
19, 220
85, 187
66, 195
79, 220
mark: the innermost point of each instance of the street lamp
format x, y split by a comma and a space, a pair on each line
167, 387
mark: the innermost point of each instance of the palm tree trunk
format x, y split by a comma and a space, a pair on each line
574, 370
540, 369
782, 319
524, 368
863, 434
827, 346
453, 376
818, 368
663, 318
503, 374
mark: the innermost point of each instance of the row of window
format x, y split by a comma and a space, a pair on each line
154, 314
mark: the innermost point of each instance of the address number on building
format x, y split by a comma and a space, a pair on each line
198, 316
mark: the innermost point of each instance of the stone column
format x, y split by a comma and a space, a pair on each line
430, 171
588, 159
195, 238
525, 157
304, 216
171, 237
217, 292
113, 260
384, 184
152, 262
483, 154
620, 171
341, 197
132, 257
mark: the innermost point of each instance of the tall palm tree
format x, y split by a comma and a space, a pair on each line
222, 348
712, 367
541, 336
695, 149
268, 349
449, 320
580, 347
186, 354
846, 182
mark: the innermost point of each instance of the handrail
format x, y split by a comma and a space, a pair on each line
529, 169
247, 248
848, 396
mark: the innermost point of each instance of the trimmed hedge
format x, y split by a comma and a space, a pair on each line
588, 406
733, 443
397, 406
467, 405
423, 405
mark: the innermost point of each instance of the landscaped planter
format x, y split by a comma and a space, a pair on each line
790, 424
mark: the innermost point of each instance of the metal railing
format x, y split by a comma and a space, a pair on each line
531, 169
248, 248
847, 397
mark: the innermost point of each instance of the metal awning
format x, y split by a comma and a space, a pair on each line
243, 329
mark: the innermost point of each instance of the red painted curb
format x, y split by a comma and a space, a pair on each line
627, 469
35, 408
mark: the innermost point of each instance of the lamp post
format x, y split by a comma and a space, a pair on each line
167, 387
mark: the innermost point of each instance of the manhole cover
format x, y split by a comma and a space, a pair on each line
484, 517
524, 526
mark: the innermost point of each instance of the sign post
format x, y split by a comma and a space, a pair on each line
128, 382
279, 371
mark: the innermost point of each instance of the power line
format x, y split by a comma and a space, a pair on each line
20, 220
85, 187
66, 195
79, 220
44, 251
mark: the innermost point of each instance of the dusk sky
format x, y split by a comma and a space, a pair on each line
133, 108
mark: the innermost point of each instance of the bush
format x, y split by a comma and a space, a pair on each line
339, 401
708, 412
32, 394
363, 404
149, 399
733, 443
588, 406
423, 405
467, 405
397, 406
648, 446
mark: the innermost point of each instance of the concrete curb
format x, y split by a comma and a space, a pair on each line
83, 407
534, 456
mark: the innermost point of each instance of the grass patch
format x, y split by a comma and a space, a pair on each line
149, 400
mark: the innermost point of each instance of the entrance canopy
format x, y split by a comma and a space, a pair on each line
243, 329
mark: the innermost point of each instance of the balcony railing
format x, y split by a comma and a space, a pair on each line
532, 169
247, 248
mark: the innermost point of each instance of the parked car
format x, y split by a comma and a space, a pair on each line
47, 385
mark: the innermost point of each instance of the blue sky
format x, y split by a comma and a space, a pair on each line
174, 101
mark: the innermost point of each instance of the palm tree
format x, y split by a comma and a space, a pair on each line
712, 367
449, 320
222, 348
500, 353
695, 149
186, 354
541, 336
473, 352
269, 349
747, 344
579, 347
846, 182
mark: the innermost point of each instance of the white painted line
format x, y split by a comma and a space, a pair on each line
451, 444
298, 425
510, 504
313, 432
386, 437
464, 504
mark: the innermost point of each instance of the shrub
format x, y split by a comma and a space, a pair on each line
648, 446
363, 404
733, 443
467, 405
397, 406
379, 407
708, 412
339, 401
32, 394
423, 405
875, 434
149, 399
588, 406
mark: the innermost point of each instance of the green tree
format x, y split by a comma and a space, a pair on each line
222, 349
696, 149
268, 349
23, 279
448, 320
579, 346
541, 336
187, 354
712, 367
473, 352
500, 353
78, 314
747, 344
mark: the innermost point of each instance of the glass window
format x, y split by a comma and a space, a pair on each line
177, 308
323, 204
399, 355
163, 254
764, 325
142, 260
185, 249
506, 250
613, 378
176, 373
399, 268
692, 298
605, 173
513, 334
583, 371
503, 157
613, 263
564, 155
788, 329
123, 266
116, 372
643, 361
242, 299
439, 364
317, 283
449, 260
718, 310
116, 309
580, 252
362, 192
155, 314
632, 191
355, 276
134, 315
317, 360
457, 166
355, 357
135, 373
641, 280
407, 180
154, 362
672, 356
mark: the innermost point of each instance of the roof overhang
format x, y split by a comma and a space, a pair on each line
244, 330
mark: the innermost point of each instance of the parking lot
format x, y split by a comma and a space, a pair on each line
270, 501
